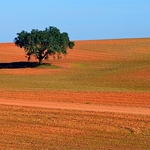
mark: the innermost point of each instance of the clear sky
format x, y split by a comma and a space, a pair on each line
81, 19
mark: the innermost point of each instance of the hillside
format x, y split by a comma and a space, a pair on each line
98, 97
99, 71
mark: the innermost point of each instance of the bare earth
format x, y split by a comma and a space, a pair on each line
78, 106
121, 102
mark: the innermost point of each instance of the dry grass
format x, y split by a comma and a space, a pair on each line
34, 128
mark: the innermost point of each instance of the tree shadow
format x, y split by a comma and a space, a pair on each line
21, 64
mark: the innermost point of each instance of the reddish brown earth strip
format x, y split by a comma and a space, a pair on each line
77, 106
127, 99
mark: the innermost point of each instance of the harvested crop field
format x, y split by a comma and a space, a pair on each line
37, 128
102, 74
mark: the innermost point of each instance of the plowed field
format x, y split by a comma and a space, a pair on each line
107, 72
95, 77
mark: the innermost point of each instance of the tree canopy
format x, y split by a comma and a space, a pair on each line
42, 44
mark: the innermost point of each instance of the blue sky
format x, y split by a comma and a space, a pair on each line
81, 19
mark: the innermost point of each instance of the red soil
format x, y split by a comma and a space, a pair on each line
113, 99
77, 106
128, 99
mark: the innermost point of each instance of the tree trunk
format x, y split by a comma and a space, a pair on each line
40, 58
40, 61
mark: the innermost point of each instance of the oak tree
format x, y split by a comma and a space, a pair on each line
42, 44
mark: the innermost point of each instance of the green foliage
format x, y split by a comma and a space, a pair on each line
42, 44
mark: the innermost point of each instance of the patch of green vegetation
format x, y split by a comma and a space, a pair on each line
80, 65
48, 66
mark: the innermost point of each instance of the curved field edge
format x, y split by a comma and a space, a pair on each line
100, 65
28, 128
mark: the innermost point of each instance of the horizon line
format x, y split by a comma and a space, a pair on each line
97, 39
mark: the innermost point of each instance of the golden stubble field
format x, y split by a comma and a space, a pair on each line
98, 72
